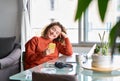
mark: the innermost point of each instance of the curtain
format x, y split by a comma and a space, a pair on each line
25, 24
25, 27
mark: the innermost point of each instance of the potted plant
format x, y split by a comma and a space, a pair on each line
101, 57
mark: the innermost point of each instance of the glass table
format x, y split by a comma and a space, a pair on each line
81, 73
48, 67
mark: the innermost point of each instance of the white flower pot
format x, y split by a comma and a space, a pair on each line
101, 61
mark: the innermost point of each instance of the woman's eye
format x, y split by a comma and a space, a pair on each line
53, 29
57, 33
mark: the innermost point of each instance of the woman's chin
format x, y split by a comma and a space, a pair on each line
51, 38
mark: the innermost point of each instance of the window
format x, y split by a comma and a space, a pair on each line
86, 31
43, 12
93, 24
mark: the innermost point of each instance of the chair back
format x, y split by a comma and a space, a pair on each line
23, 60
37, 76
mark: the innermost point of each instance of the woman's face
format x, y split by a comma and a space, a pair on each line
54, 32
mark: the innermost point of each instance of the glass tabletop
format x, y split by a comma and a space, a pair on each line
88, 75
48, 67
81, 73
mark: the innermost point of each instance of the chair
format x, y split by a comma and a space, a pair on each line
23, 60
37, 76
9, 58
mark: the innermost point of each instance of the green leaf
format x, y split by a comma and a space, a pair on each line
97, 49
81, 8
114, 33
102, 5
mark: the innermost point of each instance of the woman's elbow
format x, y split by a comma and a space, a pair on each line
70, 53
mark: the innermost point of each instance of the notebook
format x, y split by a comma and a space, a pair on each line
89, 54
71, 59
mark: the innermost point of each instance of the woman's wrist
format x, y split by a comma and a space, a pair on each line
64, 35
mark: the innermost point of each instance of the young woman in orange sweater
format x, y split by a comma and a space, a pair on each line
48, 46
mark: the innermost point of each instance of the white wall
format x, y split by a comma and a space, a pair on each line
9, 22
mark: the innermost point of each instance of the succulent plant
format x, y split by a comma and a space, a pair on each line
103, 47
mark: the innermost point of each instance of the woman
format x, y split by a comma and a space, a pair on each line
48, 46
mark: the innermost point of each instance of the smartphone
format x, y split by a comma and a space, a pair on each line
52, 46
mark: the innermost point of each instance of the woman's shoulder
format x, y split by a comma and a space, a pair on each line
34, 38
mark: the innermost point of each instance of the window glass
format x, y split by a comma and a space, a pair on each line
93, 24
42, 12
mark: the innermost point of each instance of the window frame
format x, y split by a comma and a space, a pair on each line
80, 33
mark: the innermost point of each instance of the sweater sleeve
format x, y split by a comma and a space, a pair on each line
66, 48
30, 54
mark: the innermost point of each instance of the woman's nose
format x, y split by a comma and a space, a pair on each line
54, 33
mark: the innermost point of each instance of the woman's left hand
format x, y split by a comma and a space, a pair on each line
64, 35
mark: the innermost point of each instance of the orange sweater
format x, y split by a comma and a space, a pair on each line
36, 46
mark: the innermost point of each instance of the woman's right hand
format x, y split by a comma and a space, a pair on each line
51, 48
49, 51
